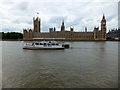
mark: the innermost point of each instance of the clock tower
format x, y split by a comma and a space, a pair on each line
103, 27
103, 24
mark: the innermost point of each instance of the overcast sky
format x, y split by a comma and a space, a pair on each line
18, 14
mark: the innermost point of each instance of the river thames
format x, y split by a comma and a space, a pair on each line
84, 65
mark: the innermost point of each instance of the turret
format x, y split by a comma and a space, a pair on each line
71, 29
54, 29
95, 31
50, 30
36, 24
85, 29
62, 26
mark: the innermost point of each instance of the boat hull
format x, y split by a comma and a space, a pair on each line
36, 48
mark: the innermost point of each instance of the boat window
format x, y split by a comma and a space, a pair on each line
48, 44
41, 43
57, 44
37, 43
53, 43
44, 44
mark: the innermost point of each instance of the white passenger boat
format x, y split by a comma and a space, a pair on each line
45, 45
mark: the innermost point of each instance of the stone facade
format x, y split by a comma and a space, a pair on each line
68, 35
114, 33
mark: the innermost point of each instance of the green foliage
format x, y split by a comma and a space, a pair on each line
11, 35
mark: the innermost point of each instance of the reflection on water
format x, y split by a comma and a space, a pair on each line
84, 65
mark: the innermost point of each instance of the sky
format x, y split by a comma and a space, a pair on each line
16, 15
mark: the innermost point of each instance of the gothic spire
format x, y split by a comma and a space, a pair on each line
103, 18
62, 22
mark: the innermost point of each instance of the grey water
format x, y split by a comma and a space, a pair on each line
84, 65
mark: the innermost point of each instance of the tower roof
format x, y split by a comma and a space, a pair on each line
103, 17
63, 22
36, 18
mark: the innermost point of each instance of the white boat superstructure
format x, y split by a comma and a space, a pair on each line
45, 45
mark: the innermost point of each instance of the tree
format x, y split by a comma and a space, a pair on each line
12, 35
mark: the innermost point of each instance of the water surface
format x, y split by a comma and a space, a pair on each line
85, 65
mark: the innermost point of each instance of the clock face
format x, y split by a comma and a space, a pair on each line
103, 22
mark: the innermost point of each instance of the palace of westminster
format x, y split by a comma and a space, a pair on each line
96, 34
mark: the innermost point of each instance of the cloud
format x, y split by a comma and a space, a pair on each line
16, 15
119, 14
23, 6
